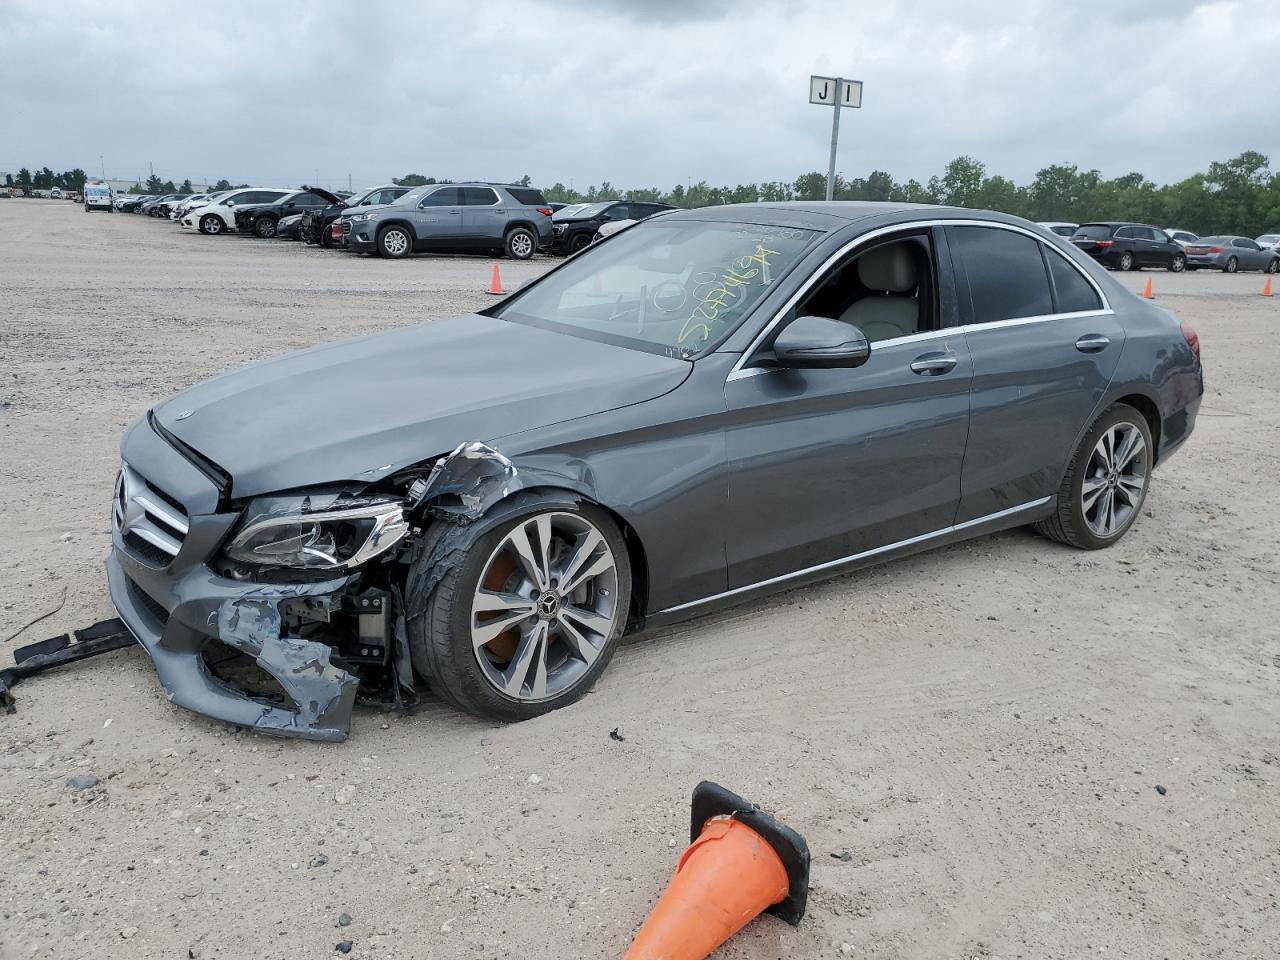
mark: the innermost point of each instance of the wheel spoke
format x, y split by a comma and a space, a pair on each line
586, 546
519, 540
482, 633
489, 601
581, 645
593, 569
588, 618
1091, 490
514, 677
543, 526
1134, 445
1108, 513
1130, 487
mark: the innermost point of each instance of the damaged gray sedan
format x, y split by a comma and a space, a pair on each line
705, 407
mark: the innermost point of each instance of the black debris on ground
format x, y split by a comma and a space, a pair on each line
615, 735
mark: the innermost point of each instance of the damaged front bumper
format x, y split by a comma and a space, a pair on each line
244, 617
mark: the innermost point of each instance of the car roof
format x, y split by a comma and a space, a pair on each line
833, 214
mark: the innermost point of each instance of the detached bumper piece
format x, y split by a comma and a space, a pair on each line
102, 637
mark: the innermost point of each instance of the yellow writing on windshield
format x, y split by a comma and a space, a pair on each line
723, 291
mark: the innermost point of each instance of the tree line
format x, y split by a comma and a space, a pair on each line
1240, 195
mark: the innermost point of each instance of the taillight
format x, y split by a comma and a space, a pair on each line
545, 211
1192, 338
1215, 249
1106, 243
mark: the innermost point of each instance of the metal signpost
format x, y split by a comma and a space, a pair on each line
834, 92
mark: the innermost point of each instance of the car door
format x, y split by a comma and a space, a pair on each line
1250, 254
1163, 248
1045, 345
484, 216
828, 464
437, 219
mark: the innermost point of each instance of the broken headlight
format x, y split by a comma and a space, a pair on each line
321, 531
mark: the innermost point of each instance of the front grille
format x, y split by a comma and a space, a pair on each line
151, 523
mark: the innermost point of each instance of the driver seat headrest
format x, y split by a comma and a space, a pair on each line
889, 268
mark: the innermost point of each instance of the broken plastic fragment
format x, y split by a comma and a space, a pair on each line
466, 483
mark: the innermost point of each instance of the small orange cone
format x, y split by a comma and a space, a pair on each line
1266, 288
741, 863
495, 283
1148, 293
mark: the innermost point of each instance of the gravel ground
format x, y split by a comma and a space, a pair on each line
971, 740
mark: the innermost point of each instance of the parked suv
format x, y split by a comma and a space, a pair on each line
1130, 246
317, 220
575, 227
458, 216
261, 219
220, 217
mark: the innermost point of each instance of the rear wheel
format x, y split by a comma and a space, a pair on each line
1232, 265
520, 243
394, 242
1178, 263
211, 224
528, 612
1105, 483
1127, 261
1274, 266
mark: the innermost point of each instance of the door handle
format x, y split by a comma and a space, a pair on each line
1092, 343
933, 364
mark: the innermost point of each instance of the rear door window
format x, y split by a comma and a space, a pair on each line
1072, 292
1094, 231
480, 197
1007, 276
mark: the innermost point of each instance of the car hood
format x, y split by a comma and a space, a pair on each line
362, 409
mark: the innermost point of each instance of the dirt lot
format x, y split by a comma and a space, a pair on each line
970, 740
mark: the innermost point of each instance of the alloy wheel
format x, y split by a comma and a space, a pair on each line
521, 245
1114, 481
1126, 261
546, 606
1179, 263
395, 243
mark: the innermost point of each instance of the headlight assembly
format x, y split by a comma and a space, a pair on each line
363, 216
323, 531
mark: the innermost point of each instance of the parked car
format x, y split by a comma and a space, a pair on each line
220, 216
287, 227
55, 193
1229, 254
6, 193
494, 217
179, 209
132, 202
623, 442
1181, 237
97, 196
1269, 240
260, 219
608, 229
1061, 229
152, 207
1129, 246
573, 229
316, 223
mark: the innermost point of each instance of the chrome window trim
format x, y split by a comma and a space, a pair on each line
830, 564
740, 370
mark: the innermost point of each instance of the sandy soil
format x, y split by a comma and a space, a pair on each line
970, 740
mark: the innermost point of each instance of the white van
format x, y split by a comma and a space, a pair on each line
97, 196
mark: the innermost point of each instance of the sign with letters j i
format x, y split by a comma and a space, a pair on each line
823, 90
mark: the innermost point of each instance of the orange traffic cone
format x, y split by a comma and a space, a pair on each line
1266, 288
1148, 293
495, 283
741, 863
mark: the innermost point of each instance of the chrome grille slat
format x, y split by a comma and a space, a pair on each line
142, 512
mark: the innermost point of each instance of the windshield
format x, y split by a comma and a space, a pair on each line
1217, 240
584, 211
1268, 238
675, 287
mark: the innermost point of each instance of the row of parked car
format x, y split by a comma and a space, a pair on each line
1132, 246
394, 221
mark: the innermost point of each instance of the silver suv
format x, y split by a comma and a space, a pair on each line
490, 217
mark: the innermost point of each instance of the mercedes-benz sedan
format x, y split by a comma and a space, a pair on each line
705, 407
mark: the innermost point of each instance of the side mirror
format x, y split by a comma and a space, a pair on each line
820, 342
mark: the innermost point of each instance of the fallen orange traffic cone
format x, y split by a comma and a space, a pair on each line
495, 283
1266, 288
1148, 293
741, 863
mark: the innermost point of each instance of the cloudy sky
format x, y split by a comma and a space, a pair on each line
637, 92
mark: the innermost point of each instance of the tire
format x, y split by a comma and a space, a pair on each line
1274, 266
579, 241
264, 227
1071, 522
1127, 261
211, 224
1232, 265
326, 238
442, 615
520, 243
1178, 263
394, 242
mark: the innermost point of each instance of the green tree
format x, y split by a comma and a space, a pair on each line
559, 193
221, 185
186, 187
155, 185
413, 180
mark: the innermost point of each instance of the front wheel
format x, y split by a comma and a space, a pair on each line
264, 227
520, 244
1232, 265
1274, 266
529, 613
1105, 483
394, 243
1178, 263
211, 224
1127, 261
579, 241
